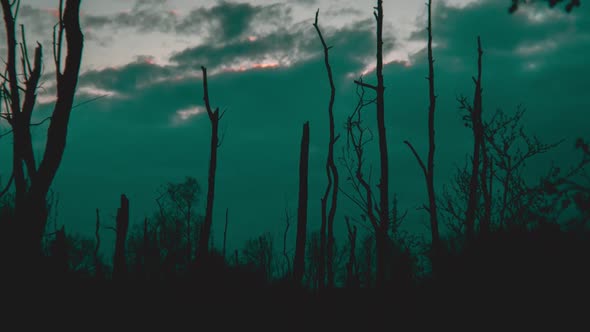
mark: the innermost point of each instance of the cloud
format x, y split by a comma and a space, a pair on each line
352, 47
183, 115
144, 19
282, 46
223, 21
128, 78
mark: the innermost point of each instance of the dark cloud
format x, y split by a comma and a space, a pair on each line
224, 21
128, 78
278, 44
142, 18
234, 20
351, 46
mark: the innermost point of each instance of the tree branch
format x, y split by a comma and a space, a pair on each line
420, 162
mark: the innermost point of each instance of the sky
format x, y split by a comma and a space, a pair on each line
266, 70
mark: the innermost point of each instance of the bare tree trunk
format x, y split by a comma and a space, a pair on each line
428, 169
478, 141
332, 173
431, 140
214, 117
299, 262
119, 261
33, 183
381, 237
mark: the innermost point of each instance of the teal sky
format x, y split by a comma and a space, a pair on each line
266, 69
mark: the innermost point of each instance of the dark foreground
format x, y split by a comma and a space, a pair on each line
509, 281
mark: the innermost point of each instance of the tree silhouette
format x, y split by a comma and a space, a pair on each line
33, 180
184, 196
353, 160
174, 227
511, 148
383, 185
258, 253
333, 180
299, 262
475, 113
214, 117
428, 169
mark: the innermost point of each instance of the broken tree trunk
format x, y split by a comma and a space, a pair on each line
214, 117
299, 262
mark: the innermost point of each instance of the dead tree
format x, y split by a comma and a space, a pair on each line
32, 180
428, 169
383, 185
332, 174
214, 117
299, 261
478, 139
511, 148
122, 226
358, 136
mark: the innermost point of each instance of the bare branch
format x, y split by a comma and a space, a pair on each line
420, 162
365, 85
